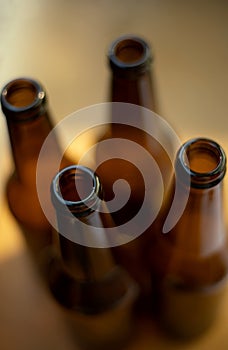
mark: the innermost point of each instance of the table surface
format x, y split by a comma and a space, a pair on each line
63, 44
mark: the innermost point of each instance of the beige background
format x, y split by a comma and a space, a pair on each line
63, 43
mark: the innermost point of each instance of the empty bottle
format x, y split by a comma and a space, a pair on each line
190, 262
132, 87
96, 294
24, 104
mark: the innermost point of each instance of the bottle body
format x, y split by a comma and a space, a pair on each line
97, 295
24, 105
132, 94
190, 263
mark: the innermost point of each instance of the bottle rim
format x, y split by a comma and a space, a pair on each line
21, 113
140, 64
83, 206
201, 179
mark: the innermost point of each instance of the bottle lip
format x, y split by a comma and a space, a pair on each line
28, 111
85, 205
137, 65
198, 179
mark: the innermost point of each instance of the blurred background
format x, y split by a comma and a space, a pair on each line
63, 44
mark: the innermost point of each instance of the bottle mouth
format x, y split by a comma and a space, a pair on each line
130, 53
76, 188
20, 97
203, 160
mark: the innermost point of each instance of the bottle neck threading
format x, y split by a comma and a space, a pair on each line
202, 161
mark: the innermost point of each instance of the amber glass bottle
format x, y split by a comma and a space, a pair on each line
132, 83
24, 104
190, 262
97, 294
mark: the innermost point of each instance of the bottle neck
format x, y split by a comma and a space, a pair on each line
131, 82
137, 91
76, 196
201, 229
24, 104
130, 61
26, 139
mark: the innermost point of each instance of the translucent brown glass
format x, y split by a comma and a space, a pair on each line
131, 82
24, 104
97, 295
130, 61
190, 263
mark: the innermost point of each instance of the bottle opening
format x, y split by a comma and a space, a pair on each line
203, 160
76, 188
129, 51
21, 94
76, 184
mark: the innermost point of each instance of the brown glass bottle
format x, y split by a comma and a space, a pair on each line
190, 262
24, 104
132, 83
97, 294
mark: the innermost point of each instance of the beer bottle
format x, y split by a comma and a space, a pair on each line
24, 104
190, 262
96, 294
132, 93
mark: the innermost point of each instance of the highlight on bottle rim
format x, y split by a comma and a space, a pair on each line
93, 119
